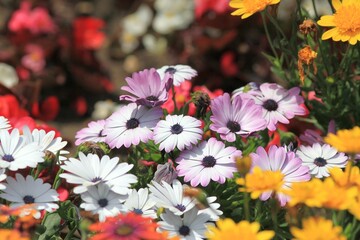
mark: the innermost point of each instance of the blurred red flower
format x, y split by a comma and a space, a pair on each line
87, 33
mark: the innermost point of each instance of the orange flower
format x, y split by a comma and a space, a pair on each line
125, 226
306, 56
11, 234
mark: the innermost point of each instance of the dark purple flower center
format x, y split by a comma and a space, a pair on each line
180, 207
270, 105
152, 98
208, 161
171, 70
96, 179
132, 123
28, 199
184, 230
233, 126
103, 202
8, 158
138, 211
320, 162
176, 129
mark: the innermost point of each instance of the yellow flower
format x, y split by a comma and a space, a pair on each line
345, 140
354, 209
346, 22
244, 230
317, 228
310, 193
246, 8
339, 198
348, 178
259, 182
12, 234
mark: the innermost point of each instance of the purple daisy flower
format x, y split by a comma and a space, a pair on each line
93, 133
240, 116
130, 125
147, 87
278, 104
177, 131
211, 160
179, 73
278, 159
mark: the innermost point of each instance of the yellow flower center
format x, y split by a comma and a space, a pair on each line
124, 230
347, 18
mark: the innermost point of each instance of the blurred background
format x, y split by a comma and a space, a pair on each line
63, 62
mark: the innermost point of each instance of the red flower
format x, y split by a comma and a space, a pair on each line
87, 33
130, 226
218, 6
10, 107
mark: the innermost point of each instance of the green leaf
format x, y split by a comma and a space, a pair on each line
52, 224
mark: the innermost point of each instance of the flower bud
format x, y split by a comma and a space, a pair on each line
165, 172
243, 164
202, 102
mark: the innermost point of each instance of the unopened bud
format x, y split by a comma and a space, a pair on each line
98, 148
199, 195
243, 164
165, 172
202, 101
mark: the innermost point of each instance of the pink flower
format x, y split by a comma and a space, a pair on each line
278, 104
203, 6
35, 20
210, 160
34, 60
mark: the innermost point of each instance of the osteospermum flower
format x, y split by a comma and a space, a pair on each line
179, 73
125, 226
278, 159
177, 131
237, 117
171, 197
192, 226
348, 178
317, 228
148, 88
211, 160
140, 203
16, 154
131, 124
345, 22
310, 193
345, 140
4, 123
246, 8
101, 200
20, 191
89, 170
228, 229
321, 158
46, 141
2, 177
278, 104
93, 132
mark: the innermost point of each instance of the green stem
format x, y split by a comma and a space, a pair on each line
70, 234
174, 99
268, 35
246, 206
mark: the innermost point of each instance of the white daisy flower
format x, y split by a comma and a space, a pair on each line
177, 131
90, 170
2, 177
102, 201
9, 77
21, 191
131, 125
4, 123
192, 226
321, 158
16, 154
179, 73
140, 203
213, 209
171, 197
46, 141
92, 133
